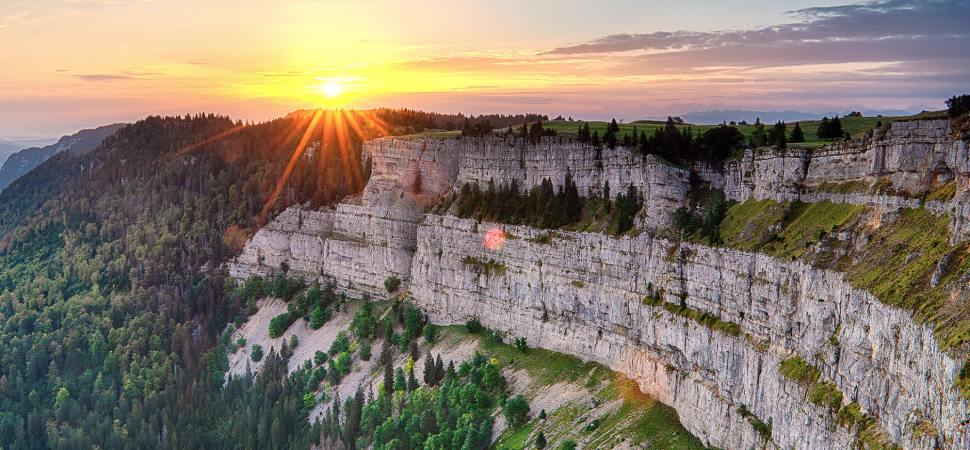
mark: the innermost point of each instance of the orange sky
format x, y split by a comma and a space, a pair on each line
74, 63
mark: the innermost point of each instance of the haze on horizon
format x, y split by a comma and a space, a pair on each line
71, 64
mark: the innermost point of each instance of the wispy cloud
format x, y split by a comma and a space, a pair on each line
105, 77
893, 21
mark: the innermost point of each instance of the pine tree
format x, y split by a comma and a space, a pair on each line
412, 381
796, 134
439, 370
429, 373
388, 373
541, 440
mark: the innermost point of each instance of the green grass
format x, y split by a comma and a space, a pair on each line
749, 225
700, 317
943, 193
746, 225
895, 263
826, 394
798, 370
516, 439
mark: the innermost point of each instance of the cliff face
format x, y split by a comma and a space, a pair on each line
717, 322
663, 186
895, 169
582, 294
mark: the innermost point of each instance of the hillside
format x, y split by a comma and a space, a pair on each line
24, 161
127, 241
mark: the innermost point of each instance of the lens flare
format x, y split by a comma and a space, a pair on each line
494, 239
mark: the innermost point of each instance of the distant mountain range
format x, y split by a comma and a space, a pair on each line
17, 163
737, 115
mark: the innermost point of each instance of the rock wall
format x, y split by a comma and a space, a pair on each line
664, 187
581, 294
910, 159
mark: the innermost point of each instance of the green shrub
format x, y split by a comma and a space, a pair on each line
473, 326
826, 394
516, 411
365, 351
521, 345
391, 284
319, 357
340, 345
851, 415
319, 316
257, 352
430, 332
796, 369
279, 324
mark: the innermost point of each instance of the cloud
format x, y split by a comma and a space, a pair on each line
106, 77
892, 20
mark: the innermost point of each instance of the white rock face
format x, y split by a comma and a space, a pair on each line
581, 294
913, 156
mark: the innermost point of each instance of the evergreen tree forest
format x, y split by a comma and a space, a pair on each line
546, 207
452, 410
112, 299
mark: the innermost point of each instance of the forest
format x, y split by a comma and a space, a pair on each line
545, 207
112, 295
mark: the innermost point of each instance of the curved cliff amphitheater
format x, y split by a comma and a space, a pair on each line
832, 311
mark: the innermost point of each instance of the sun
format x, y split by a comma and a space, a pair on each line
331, 88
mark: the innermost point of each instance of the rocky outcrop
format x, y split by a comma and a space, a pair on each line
355, 247
907, 161
582, 294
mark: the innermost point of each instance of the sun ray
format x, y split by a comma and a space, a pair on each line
216, 137
294, 158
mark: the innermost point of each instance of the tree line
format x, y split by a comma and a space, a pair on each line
546, 207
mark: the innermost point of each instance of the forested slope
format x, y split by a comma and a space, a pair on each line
111, 296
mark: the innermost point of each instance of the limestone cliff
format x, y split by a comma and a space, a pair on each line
895, 168
702, 329
582, 294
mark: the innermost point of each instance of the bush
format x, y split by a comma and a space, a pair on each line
391, 284
567, 445
826, 394
294, 341
319, 357
365, 351
257, 352
319, 316
516, 411
430, 332
279, 324
796, 369
340, 345
521, 345
474, 326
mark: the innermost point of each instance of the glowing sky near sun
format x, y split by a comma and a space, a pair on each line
74, 63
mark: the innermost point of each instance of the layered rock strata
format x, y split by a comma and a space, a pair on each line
582, 294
